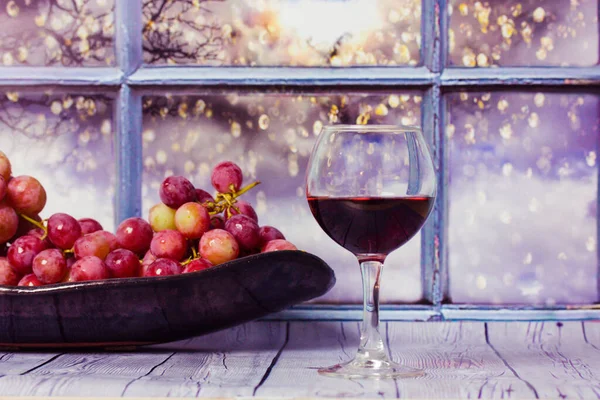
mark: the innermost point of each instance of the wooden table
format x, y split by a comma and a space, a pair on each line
279, 359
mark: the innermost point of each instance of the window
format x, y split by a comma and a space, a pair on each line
103, 98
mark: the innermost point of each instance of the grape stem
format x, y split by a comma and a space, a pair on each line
37, 224
226, 201
194, 252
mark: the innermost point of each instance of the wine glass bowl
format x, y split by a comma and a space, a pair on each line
370, 188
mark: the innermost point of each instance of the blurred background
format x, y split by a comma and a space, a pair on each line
522, 166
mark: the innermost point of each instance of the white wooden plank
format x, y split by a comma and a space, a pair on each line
552, 356
20, 363
319, 344
230, 361
457, 361
591, 332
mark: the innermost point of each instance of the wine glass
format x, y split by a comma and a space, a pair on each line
370, 188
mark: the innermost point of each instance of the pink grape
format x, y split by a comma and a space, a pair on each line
26, 226
161, 217
217, 222
30, 280
9, 222
202, 196
148, 259
227, 176
218, 246
5, 167
39, 233
89, 225
245, 209
63, 230
89, 268
268, 233
176, 191
26, 194
169, 244
198, 264
122, 263
8, 276
192, 220
50, 266
134, 234
22, 252
163, 267
244, 230
278, 244
3, 188
98, 244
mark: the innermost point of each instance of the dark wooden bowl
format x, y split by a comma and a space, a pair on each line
136, 311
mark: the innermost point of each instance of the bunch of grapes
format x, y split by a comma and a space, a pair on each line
190, 230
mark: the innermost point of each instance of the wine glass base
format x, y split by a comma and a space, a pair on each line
371, 369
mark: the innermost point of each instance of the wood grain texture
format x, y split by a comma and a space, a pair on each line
457, 360
553, 357
232, 361
591, 333
313, 345
279, 359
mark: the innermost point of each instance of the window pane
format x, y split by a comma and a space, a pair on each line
66, 142
287, 32
523, 197
57, 32
271, 136
530, 32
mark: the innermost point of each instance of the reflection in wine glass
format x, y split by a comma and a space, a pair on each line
370, 188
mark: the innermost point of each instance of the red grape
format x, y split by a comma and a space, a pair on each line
218, 246
3, 188
8, 276
5, 167
89, 225
89, 268
122, 263
134, 234
176, 191
278, 244
268, 233
226, 177
29, 280
244, 230
202, 196
25, 226
192, 220
169, 244
22, 252
217, 222
148, 259
163, 267
63, 230
9, 222
27, 195
198, 264
50, 266
245, 209
161, 217
98, 244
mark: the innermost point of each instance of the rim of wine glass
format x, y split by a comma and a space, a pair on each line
374, 128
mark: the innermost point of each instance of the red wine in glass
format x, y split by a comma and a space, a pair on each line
371, 227
371, 188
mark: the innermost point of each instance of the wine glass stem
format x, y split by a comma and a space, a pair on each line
371, 347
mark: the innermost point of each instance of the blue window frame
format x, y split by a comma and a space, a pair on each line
131, 80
